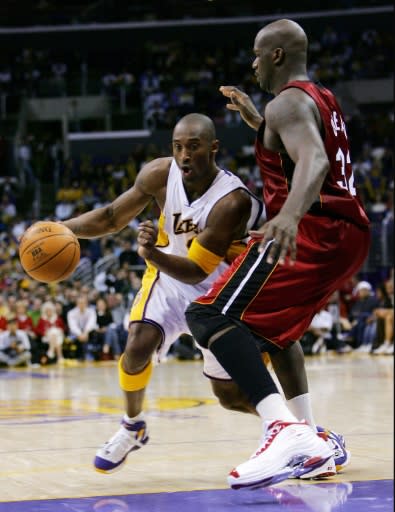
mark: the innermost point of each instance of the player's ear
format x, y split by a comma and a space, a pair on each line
278, 56
215, 146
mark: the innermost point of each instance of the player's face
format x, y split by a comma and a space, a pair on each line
262, 64
194, 155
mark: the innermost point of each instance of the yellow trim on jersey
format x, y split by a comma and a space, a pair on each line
135, 382
163, 238
149, 278
207, 260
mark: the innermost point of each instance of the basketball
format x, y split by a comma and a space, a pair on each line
49, 251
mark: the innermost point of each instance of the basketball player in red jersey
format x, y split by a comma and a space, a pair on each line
316, 237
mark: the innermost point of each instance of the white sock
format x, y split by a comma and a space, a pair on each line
273, 408
300, 406
139, 417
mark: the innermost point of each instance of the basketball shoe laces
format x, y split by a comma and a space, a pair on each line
270, 431
124, 440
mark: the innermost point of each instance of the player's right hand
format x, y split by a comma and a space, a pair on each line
241, 102
146, 238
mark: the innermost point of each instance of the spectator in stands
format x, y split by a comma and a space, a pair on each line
25, 162
34, 310
363, 322
314, 339
7, 208
24, 321
107, 331
14, 345
128, 256
4, 309
69, 300
51, 329
121, 283
385, 318
11, 302
25, 324
339, 334
81, 322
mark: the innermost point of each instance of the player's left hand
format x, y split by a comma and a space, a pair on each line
146, 238
282, 229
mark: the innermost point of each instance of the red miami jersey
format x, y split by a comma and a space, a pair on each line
277, 302
338, 197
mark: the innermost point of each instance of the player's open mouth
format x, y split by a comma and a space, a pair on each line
186, 171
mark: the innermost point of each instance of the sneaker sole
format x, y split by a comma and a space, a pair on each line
275, 479
297, 467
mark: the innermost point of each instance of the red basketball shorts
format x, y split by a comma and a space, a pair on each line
278, 302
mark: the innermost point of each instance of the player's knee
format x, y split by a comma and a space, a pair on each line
138, 351
203, 321
231, 397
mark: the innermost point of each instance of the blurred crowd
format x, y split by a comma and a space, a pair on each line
86, 317
72, 321
45, 324
148, 80
359, 317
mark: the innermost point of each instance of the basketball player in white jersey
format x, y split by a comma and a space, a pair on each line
206, 213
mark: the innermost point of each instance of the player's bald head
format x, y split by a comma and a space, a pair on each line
195, 126
286, 34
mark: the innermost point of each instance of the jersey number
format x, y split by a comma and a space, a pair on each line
348, 184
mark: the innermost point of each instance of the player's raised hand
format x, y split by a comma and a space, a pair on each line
282, 229
241, 102
146, 238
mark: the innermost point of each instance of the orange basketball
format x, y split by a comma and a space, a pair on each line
49, 251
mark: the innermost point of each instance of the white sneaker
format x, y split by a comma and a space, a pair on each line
364, 348
382, 349
288, 450
390, 349
112, 455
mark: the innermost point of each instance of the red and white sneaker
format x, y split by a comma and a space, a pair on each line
288, 450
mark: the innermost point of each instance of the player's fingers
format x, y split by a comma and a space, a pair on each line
145, 223
283, 251
227, 90
292, 253
275, 248
232, 106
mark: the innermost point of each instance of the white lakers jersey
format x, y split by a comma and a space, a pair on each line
162, 300
182, 220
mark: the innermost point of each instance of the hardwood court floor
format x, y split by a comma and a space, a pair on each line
53, 419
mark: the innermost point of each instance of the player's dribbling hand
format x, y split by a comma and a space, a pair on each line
146, 238
283, 230
241, 102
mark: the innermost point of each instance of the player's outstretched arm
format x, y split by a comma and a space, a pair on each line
117, 215
241, 102
226, 223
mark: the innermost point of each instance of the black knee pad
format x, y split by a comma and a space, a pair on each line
204, 321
